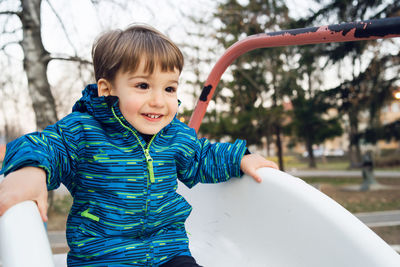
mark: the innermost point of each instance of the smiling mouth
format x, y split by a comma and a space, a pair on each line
152, 116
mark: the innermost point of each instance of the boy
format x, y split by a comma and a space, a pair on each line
120, 153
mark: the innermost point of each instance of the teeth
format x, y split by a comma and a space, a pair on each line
153, 116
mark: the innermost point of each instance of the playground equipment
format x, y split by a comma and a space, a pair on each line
281, 222
354, 31
23, 239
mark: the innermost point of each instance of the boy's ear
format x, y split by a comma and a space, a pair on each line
104, 87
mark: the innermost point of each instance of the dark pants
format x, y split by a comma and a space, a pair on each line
181, 261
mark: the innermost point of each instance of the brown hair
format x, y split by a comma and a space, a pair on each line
123, 49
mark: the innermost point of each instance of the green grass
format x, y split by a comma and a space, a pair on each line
356, 201
334, 164
292, 162
371, 206
333, 181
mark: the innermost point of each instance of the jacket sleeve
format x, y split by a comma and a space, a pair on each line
52, 150
210, 163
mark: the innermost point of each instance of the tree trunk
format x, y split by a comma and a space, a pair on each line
354, 146
311, 159
279, 147
36, 59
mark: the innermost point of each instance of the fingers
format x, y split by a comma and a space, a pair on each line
267, 163
273, 165
257, 178
41, 202
253, 173
250, 163
10, 199
42, 205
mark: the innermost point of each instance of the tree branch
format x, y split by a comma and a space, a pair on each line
249, 79
120, 4
71, 58
6, 24
3, 47
62, 26
8, 12
12, 32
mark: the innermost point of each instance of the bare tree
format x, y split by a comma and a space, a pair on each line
35, 63
36, 60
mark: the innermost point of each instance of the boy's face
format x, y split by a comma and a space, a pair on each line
147, 101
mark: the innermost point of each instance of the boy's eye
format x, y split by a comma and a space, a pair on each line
170, 89
142, 86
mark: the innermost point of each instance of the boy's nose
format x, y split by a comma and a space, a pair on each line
157, 99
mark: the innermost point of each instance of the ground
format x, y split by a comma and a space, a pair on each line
355, 201
58, 213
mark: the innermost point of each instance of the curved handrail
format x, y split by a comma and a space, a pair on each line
354, 31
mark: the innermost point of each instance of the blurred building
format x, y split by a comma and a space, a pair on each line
338, 146
389, 114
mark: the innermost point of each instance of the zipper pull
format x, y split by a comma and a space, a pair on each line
149, 161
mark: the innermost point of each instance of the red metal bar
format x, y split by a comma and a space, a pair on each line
355, 31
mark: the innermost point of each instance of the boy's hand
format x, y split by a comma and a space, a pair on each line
27, 183
251, 162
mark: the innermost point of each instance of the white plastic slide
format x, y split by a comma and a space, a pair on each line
23, 239
282, 222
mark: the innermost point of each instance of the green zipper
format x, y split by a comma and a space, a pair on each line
149, 163
149, 159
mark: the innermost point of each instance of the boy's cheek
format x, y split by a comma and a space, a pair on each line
128, 108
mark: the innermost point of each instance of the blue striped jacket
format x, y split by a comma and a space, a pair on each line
126, 210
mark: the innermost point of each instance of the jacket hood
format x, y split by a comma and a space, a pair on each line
101, 108
94, 104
